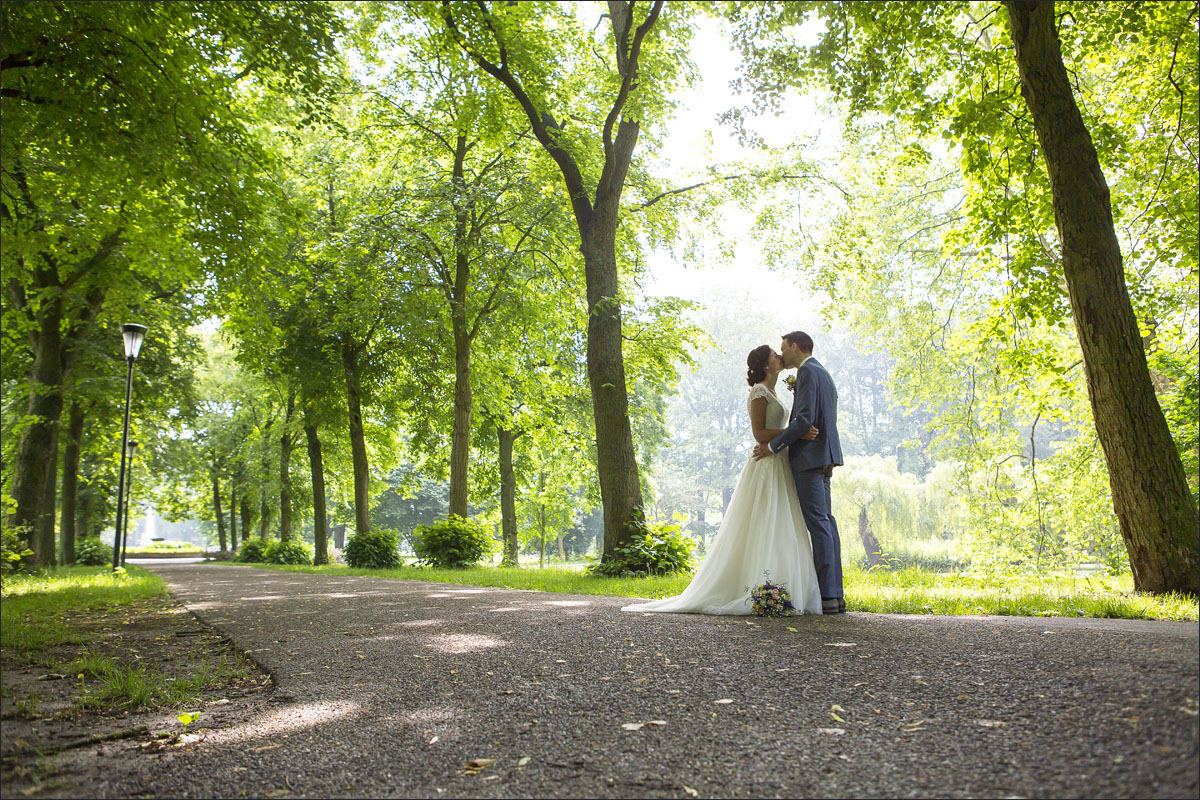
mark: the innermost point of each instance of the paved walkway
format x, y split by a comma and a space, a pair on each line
391, 688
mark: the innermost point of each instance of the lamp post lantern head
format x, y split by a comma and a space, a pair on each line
133, 334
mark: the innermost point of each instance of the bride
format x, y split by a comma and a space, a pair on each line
763, 529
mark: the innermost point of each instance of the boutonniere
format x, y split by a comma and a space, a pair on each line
790, 382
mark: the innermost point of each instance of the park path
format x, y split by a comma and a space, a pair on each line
390, 688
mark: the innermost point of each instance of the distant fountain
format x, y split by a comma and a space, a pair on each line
149, 527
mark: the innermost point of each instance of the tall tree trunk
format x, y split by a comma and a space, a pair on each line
541, 520
233, 531
460, 439
220, 517
508, 497
869, 541
33, 467
264, 519
317, 470
1156, 510
616, 461
247, 516
358, 444
46, 551
70, 485
285, 462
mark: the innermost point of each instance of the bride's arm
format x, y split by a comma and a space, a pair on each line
758, 421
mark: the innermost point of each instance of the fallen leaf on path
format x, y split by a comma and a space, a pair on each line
990, 723
480, 763
633, 726
831, 731
841, 644
790, 628
723, 702
433, 740
490, 778
689, 791
523, 760
836, 717
657, 722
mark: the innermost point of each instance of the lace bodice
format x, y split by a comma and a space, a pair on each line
777, 413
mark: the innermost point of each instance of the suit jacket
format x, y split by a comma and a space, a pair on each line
814, 402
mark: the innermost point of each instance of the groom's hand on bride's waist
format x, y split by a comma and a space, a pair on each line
762, 450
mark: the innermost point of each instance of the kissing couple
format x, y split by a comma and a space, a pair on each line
779, 520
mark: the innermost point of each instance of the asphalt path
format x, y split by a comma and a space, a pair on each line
388, 688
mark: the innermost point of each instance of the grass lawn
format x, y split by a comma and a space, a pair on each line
907, 591
37, 607
72, 620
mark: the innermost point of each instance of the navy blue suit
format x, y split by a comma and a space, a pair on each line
814, 402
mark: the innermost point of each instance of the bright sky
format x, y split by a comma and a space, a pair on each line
695, 140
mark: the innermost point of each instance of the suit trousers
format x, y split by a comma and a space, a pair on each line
812, 487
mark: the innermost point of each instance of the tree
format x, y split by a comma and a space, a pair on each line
99, 184
1159, 517
496, 38
933, 67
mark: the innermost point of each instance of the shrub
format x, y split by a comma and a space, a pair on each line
92, 552
287, 553
453, 542
12, 550
373, 550
654, 550
252, 551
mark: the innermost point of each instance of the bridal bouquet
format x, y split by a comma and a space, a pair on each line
770, 600
790, 382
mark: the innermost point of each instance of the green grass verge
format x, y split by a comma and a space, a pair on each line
907, 591
33, 606
106, 683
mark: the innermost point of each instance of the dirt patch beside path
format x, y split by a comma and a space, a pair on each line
45, 706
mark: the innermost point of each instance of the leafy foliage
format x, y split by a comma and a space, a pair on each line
660, 550
12, 550
289, 552
252, 551
453, 542
92, 552
373, 549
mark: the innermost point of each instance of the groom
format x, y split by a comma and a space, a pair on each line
814, 403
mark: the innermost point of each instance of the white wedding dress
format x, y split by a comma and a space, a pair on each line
763, 531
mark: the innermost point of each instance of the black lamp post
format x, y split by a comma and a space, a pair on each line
128, 494
133, 335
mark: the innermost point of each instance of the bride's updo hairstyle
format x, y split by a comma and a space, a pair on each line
756, 364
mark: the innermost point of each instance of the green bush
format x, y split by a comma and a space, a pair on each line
92, 552
252, 551
453, 542
12, 550
654, 550
373, 550
287, 553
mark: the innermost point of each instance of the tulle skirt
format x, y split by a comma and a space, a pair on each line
763, 533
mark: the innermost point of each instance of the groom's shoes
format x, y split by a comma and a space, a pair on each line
833, 605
